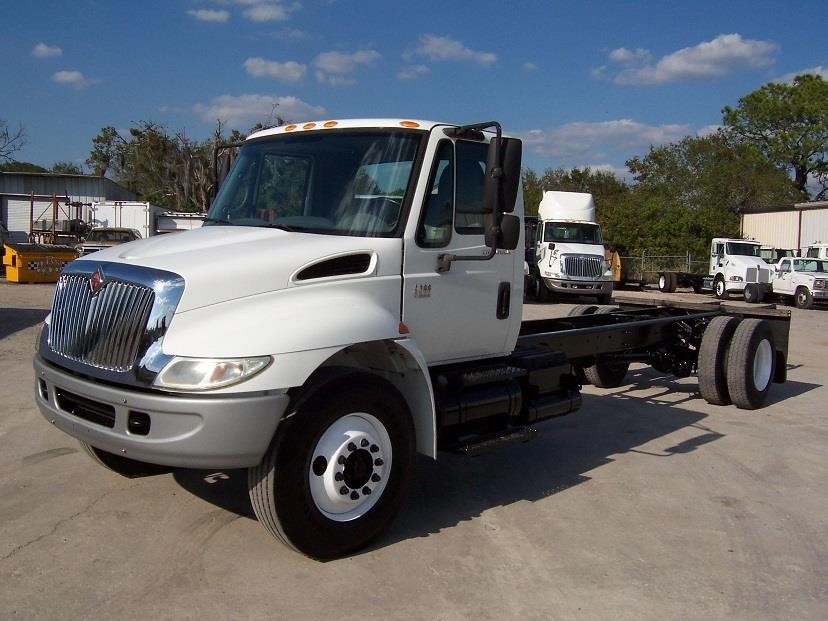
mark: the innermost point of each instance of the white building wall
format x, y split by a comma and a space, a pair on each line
778, 229
814, 226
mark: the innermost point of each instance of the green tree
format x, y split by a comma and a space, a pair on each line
105, 149
695, 189
788, 123
66, 168
24, 167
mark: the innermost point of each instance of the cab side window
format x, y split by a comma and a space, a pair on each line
785, 267
471, 170
435, 224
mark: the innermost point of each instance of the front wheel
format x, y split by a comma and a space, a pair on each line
720, 288
803, 298
338, 470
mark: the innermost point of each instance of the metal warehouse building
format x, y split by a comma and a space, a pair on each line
787, 227
27, 196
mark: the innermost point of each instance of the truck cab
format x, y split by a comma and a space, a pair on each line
569, 256
802, 280
817, 251
735, 263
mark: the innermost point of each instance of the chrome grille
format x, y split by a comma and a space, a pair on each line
583, 266
103, 330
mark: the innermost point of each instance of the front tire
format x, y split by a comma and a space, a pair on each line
803, 298
338, 469
720, 289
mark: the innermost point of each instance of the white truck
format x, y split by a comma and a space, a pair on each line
817, 250
569, 258
803, 281
353, 298
736, 266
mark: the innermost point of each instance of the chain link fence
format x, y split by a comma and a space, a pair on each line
645, 268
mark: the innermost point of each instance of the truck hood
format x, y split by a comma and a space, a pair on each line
745, 262
573, 248
222, 263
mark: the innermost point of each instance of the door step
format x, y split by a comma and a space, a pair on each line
475, 445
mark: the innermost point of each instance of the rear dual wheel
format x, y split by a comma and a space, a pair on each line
667, 282
736, 362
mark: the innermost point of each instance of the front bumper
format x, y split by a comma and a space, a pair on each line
819, 294
186, 431
579, 287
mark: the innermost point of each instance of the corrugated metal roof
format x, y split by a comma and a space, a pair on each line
83, 188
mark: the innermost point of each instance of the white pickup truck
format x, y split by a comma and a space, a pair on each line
353, 298
801, 280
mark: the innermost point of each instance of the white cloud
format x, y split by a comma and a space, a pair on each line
584, 141
75, 79
623, 55
41, 50
443, 48
268, 11
413, 72
289, 71
788, 78
710, 59
250, 108
529, 66
337, 68
210, 15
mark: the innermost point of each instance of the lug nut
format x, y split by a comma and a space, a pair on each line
354, 495
341, 460
339, 476
364, 442
343, 490
376, 478
366, 490
378, 462
374, 448
351, 447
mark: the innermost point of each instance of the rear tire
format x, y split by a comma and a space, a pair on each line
751, 363
673, 282
126, 467
803, 298
664, 282
338, 469
542, 292
712, 370
752, 293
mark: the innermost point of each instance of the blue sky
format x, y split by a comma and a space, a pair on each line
584, 83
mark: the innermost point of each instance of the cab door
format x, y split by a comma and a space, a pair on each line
468, 311
783, 283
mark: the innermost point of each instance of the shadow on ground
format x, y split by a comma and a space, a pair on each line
15, 319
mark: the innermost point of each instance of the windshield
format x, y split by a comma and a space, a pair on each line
575, 232
809, 265
744, 249
333, 182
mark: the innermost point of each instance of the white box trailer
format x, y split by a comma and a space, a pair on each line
141, 216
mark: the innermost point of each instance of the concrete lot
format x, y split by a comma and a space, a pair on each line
647, 503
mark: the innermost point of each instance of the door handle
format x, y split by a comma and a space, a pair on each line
504, 300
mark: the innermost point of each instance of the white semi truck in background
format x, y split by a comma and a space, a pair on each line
569, 257
354, 297
734, 264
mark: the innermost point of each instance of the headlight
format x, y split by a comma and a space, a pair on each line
736, 279
209, 373
819, 283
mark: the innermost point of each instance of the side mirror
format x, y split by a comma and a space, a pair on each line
502, 175
551, 245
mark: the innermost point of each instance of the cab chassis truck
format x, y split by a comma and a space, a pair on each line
354, 298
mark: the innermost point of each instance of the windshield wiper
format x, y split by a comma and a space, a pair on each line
281, 227
217, 221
